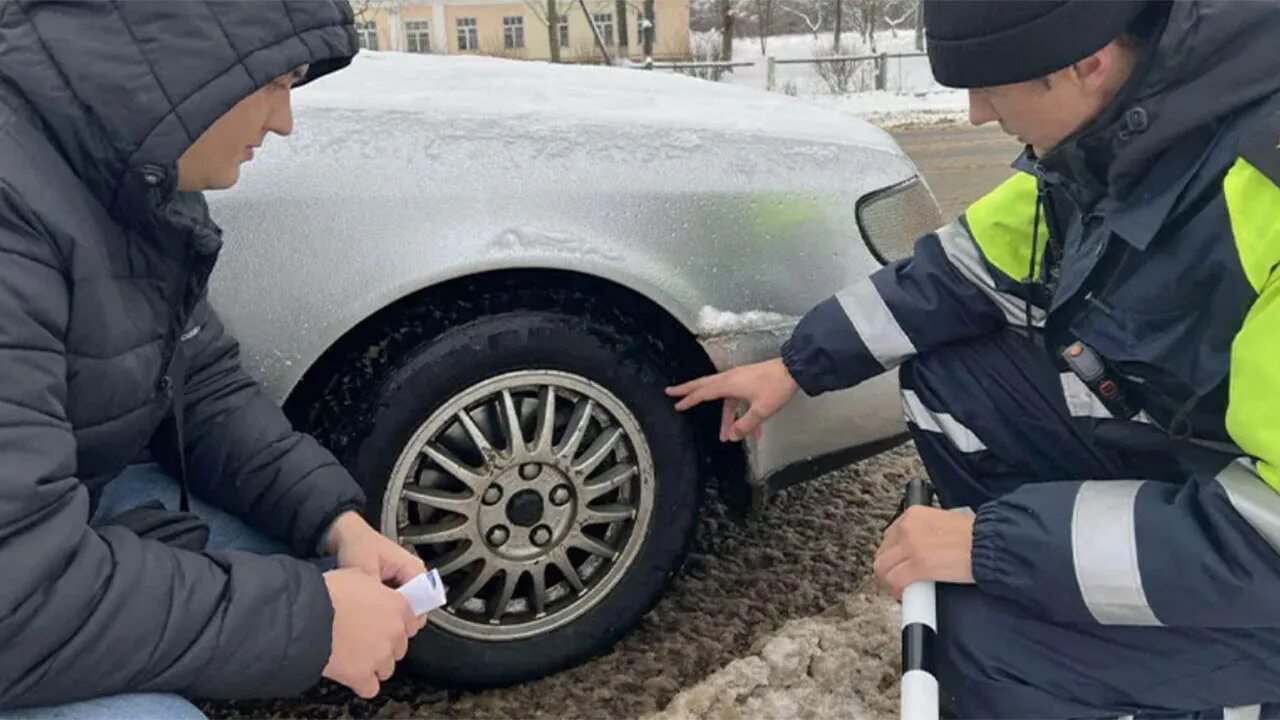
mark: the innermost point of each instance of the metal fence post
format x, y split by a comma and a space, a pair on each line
772, 83
882, 71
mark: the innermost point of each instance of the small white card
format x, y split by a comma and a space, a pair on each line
425, 592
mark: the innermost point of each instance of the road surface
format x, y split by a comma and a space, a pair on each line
960, 162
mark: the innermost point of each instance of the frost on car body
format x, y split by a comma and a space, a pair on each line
473, 278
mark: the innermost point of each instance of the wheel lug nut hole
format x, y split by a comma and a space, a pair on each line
540, 536
498, 536
561, 495
530, 471
492, 496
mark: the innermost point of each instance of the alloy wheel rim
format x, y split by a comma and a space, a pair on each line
529, 529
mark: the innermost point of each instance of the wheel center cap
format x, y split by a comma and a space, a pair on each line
525, 508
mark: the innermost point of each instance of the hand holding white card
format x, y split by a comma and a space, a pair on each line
425, 592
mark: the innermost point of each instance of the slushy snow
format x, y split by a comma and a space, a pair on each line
713, 322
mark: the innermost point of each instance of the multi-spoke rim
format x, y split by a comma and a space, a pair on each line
531, 493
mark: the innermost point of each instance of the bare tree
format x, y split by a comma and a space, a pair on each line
902, 18
764, 20
812, 18
870, 15
364, 10
704, 15
705, 47
646, 27
871, 11
839, 25
726, 29
601, 43
367, 10
548, 13
553, 30
919, 25
864, 18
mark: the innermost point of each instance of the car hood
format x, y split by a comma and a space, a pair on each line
566, 95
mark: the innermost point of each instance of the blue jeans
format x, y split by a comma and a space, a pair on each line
137, 485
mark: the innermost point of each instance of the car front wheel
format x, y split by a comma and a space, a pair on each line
534, 460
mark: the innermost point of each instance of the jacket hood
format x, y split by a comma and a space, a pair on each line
1209, 60
123, 88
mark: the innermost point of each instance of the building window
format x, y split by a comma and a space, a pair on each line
564, 32
468, 37
418, 34
604, 23
368, 34
513, 32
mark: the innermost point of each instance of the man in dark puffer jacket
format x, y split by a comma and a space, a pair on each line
114, 116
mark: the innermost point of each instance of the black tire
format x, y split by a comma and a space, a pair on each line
408, 388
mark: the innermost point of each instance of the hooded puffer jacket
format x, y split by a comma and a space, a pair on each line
103, 269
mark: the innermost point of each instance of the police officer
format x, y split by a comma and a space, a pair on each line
1090, 363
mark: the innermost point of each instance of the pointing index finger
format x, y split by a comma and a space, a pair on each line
688, 387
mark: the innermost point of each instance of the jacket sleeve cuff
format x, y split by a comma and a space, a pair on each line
988, 546
793, 356
824, 352
326, 525
314, 541
1022, 551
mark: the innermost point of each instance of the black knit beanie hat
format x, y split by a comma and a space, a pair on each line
981, 43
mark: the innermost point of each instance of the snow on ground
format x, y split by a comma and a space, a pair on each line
908, 75
840, 664
888, 109
912, 96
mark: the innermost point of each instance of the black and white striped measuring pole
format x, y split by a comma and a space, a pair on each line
919, 624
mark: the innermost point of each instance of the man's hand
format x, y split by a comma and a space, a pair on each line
926, 543
762, 389
372, 625
357, 545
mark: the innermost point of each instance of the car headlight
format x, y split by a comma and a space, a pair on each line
893, 219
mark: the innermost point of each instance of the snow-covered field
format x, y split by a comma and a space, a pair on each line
912, 95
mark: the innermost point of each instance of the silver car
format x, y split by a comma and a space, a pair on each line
473, 278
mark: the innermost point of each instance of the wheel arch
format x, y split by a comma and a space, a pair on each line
455, 301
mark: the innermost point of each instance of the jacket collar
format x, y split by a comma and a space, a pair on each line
1208, 61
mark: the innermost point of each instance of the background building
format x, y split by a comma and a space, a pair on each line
519, 29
